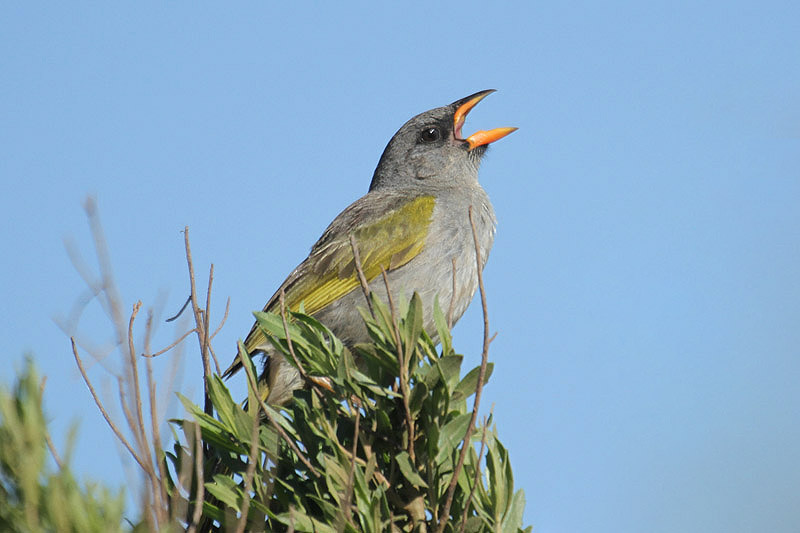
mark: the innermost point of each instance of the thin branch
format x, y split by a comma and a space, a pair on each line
198, 464
192, 285
103, 411
378, 476
161, 505
114, 307
348, 490
206, 319
93, 288
181, 310
452, 307
123, 402
393, 312
214, 358
475, 479
361, 277
254, 385
282, 299
252, 460
222, 322
180, 496
144, 444
134, 369
94, 285
403, 364
171, 346
198, 320
126, 410
47, 437
445, 512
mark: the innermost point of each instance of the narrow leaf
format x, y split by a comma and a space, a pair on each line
409, 472
469, 384
451, 436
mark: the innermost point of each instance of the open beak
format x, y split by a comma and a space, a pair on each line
479, 138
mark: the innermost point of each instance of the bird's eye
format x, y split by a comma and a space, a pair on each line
430, 135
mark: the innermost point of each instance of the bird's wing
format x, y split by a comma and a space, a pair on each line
393, 239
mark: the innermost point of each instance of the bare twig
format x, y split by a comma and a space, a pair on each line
198, 464
133, 368
452, 307
214, 357
377, 475
161, 504
183, 489
221, 323
109, 288
94, 285
141, 438
103, 411
206, 319
347, 511
181, 310
171, 346
445, 512
282, 299
196, 311
315, 382
252, 460
123, 402
403, 377
199, 321
361, 277
137, 425
254, 385
392, 310
475, 479
330, 430
93, 288
47, 437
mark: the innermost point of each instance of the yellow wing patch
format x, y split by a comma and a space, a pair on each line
389, 243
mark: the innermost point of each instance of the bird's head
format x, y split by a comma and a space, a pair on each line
429, 152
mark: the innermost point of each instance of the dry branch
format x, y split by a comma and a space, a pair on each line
445, 512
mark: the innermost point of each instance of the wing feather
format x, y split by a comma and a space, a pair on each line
329, 272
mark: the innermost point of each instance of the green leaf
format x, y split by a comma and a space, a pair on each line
418, 396
300, 521
440, 320
412, 327
427, 374
408, 470
474, 525
223, 403
512, 521
383, 318
450, 369
499, 485
270, 323
287, 495
225, 490
451, 436
469, 384
197, 413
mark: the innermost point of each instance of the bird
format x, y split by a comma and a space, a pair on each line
413, 223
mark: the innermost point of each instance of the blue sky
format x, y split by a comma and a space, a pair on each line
644, 280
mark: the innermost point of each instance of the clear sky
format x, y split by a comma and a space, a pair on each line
645, 279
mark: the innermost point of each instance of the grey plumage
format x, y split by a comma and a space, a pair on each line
426, 158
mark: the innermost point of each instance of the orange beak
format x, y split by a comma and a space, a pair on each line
479, 138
